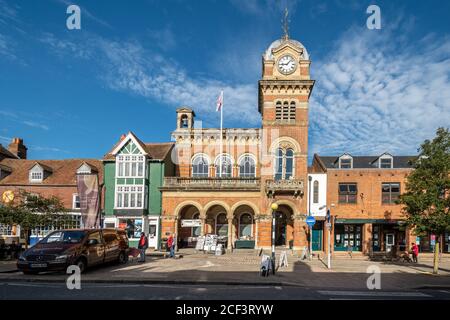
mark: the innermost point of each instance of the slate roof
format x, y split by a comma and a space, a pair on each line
63, 172
366, 162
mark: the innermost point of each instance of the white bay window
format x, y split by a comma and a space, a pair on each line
129, 197
130, 166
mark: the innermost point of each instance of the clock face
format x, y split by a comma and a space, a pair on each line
287, 64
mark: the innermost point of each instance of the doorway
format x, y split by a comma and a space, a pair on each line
280, 229
317, 236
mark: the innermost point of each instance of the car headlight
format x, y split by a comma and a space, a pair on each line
62, 258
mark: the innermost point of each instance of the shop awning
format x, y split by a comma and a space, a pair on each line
362, 221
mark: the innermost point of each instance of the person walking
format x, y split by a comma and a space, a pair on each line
415, 252
171, 245
142, 246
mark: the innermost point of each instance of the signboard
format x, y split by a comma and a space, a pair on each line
283, 260
210, 242
189, 223
310, 221
200, 243
433, 240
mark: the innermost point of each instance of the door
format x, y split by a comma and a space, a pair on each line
280, 229
153, 233
112, 249
317, 236
95, 248
390, 242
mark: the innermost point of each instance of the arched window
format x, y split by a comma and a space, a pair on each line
284, 164
245, 226
289, 164
195, 231
222, 224
200, 166
285, 110
316, 192
292, 111
279, 164
247, 167
278, 111
223, 166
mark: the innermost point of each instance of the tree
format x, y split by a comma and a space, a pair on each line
427, 197
31, 211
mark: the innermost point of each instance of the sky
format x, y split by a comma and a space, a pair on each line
73, 93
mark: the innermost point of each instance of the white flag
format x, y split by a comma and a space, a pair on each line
219, 101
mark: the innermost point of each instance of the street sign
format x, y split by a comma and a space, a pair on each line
191, 223
310, 221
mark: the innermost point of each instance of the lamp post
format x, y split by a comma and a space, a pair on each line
329, 236
274, 207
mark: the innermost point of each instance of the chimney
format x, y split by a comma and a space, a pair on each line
123, 136
18, 148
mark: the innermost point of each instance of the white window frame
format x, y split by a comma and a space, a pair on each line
36, 170
346, 157
74, 196
240, 159
128, 189
283, 163
128, 160
205, 156
383, 157
217, 163
215, 220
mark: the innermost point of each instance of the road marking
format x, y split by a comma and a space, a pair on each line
373, 293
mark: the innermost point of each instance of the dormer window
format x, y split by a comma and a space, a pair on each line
84, 169
36, 174
385, 162
345, 162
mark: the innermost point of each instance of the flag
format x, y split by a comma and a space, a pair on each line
219, 101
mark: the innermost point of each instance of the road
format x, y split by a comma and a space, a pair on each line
27, 290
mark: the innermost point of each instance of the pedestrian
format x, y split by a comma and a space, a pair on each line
171, 245
415, 252
142, 246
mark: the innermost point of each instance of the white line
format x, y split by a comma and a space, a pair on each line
373, 293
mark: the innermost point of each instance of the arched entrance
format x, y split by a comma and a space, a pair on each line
218, 223
187, 236
284, 227
244, 228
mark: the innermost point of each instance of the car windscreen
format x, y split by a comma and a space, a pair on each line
64, 237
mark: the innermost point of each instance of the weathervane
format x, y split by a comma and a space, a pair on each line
285, 24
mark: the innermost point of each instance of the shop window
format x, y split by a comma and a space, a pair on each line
347, 192
390, 192
245, 226
132, 226
347, 235
222, 225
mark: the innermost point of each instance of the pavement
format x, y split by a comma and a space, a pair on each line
242, 269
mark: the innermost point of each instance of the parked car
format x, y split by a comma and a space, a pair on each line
81, 247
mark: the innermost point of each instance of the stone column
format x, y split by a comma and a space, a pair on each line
230, 233
202, 226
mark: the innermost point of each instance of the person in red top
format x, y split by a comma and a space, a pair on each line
142, 246
415, 252
171, 245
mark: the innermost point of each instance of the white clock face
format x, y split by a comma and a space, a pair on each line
286, 64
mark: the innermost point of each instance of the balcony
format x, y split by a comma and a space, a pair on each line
182, 183
294, 186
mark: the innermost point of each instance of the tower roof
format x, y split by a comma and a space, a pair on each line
268, 55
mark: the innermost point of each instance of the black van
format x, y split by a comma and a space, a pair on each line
81, 247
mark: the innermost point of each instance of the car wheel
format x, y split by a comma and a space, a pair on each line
81, 263
122, 258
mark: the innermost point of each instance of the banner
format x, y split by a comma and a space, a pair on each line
88, 193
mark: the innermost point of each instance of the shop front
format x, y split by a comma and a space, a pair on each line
388, 236
347, 236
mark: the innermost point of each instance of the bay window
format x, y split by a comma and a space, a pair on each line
130, 166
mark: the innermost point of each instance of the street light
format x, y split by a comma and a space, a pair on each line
329, 235
274, 207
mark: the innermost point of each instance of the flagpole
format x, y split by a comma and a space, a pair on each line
221, 135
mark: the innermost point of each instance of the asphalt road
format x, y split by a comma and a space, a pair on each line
105, 291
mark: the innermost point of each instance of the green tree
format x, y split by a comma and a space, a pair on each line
427, 197
30, 211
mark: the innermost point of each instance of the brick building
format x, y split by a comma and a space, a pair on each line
227, 180
43, 177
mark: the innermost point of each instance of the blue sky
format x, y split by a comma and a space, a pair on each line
72, 93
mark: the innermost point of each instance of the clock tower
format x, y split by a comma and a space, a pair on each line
283, 101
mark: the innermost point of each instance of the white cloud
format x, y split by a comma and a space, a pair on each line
19, 118
376, 93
